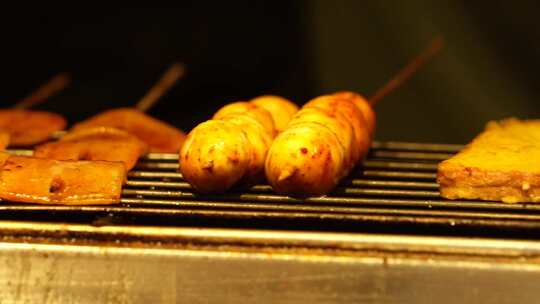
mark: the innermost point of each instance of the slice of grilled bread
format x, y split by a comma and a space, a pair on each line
500, 164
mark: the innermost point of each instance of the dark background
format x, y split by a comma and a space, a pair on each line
298, 49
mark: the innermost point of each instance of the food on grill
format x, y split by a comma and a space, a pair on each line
262, 116
364, 106
231, 148
4, 140
320, 145
158, 135
215, 156
27, 128
46, 181
280, 108
500, 164
349, 111
97, 143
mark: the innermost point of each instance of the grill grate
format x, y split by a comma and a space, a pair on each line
395, 190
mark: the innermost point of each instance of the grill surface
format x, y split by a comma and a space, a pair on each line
393, 191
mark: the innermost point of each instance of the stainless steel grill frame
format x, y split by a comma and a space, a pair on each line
383, 236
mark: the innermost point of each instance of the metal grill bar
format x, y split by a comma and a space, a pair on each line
145, 165
338, 209
267, 188
365, 173
393, 184
407, 146
244, 201
370, 164
381, 164
161, 157
398, 174
396, 219
153, 174
411, 155
339, 192
241, 199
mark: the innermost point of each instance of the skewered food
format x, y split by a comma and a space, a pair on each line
27, 128
320, 146
231, 148
215, 156
280, 108
158, 135
97, 143
4, 140
500, 164
46, 181
349, 111
364, 106
228, 149
262, 116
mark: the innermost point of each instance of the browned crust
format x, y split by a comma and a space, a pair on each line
457, 181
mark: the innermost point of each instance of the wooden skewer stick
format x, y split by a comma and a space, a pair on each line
406, 72
51, 87
169, 78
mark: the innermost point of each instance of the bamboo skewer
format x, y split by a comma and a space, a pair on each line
51, 87
164, 84
406, 72
170, 77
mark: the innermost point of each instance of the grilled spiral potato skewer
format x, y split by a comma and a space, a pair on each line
321, 145
231, 148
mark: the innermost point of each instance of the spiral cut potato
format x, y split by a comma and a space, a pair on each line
321, 145
231, 148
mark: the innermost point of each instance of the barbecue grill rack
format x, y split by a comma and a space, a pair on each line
393, 191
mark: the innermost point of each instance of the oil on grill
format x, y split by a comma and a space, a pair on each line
394, 190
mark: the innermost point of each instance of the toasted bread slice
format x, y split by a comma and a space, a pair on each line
500, 164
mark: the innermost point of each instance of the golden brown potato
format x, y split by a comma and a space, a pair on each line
246, 108
230, 149
281, 109
320, 146
363, 105
97, 143
46, 181
158, 135
233, 107
258, 139
338, 124
353, 115
305, 160
215, 156
27, 128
